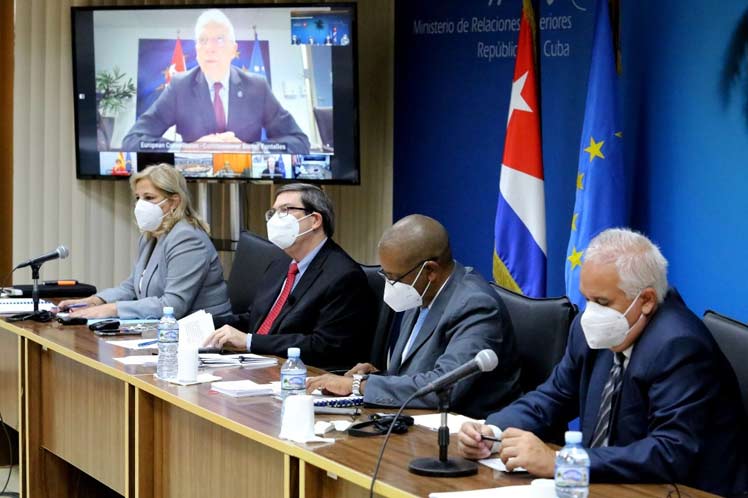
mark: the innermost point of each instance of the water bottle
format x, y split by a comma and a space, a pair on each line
572, 468
293, 375
168, 343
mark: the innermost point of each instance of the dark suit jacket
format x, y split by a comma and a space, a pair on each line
679, 416
466, 317
186, 102
329, 315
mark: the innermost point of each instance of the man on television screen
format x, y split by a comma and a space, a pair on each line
215, 102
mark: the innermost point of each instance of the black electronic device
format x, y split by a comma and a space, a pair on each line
104, 325
72, 320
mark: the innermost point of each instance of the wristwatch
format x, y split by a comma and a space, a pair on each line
356, 386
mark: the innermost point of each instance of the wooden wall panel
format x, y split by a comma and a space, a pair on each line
6, 137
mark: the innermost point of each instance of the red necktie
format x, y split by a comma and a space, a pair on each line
218, 108
267, 324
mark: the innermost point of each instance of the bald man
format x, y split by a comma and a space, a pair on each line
451, 313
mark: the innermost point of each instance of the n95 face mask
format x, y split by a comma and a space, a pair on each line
148, 215
283, 231
604, 327
402, 297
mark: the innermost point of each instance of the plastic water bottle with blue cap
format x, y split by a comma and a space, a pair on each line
293, 374
572, 468
168, 343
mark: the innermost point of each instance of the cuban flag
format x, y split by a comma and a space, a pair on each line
520, 255
601, 189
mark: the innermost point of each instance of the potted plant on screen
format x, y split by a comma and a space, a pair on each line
113, 91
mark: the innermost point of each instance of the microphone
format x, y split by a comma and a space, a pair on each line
484, 361
61, 252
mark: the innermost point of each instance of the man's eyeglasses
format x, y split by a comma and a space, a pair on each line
220, 40
393, 281
282, 211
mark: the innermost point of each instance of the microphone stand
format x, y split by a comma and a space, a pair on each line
443, 466
36, 315
35, 289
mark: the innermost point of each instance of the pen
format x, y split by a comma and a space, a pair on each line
77, 305
490, 438
147, 343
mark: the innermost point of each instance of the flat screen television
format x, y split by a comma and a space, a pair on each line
221, 92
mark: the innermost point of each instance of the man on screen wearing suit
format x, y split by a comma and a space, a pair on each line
657, 399
216, 102
320, 303
451, 313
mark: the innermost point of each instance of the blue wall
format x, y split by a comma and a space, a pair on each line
691, 151
686, 151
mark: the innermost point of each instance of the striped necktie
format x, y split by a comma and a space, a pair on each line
610, 392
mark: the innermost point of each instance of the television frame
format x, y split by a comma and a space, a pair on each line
355, 111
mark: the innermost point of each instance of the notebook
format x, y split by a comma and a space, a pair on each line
242, 388
22, 305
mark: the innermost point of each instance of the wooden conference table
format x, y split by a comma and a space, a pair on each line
74, 406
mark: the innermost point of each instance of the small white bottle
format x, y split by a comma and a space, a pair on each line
572, 468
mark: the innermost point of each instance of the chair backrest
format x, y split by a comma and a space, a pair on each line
732, 338
541, 328
252, 257
323, 116
384, 314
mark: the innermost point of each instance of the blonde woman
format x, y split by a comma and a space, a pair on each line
176, 265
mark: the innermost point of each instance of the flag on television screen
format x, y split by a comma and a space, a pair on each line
519, 259
119, 167
128, 162
257, 62
601, 190
177, 62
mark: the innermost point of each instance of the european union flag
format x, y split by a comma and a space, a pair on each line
601, 198
257, 61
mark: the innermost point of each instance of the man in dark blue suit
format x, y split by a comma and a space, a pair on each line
216, 102
657, 399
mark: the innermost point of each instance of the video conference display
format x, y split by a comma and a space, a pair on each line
261, 92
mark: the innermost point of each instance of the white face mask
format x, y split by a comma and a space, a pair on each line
402, 297
604, 327
148, 215
283, 231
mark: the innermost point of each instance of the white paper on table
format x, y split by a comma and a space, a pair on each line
434, 420
194, 329
242, 388
132, 344
497, 464
537, 489
150, 359
201, 379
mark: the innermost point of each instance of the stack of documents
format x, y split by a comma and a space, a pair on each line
242, 388
22, 305
246, 360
